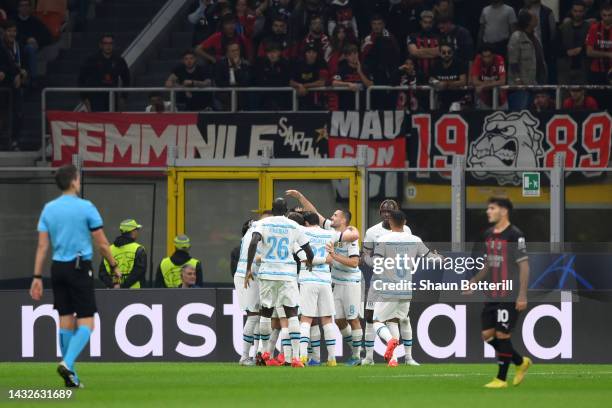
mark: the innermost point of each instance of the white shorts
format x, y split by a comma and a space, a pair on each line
384, 311
275, 293
347, 301
316, 300
248, 298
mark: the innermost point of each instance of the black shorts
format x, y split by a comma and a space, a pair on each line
73, 290
499, 316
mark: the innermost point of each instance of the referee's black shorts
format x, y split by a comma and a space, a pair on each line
73, 290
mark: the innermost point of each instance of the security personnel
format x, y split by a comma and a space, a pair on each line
131, 257
169, 270
67, 225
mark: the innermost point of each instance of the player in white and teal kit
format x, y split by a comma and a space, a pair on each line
277, 273
316, 297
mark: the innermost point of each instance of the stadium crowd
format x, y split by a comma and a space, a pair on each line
448, 44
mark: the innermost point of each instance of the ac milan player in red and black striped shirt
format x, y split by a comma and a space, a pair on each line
599, 49
506, 262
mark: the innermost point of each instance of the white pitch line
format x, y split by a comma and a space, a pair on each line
458, 375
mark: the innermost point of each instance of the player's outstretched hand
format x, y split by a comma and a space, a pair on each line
36, 290
247, 278
329, 247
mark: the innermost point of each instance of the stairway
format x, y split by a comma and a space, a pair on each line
124, 19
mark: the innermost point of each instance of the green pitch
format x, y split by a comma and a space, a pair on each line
218, 385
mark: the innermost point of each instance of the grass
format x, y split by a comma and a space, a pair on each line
217, 385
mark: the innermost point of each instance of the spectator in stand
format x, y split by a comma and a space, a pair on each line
456, 36
337, 44
423, 46
488, 71
157, 104
572, 63
279, 36
232, 71
443, 8
448, 74
310, 72
545, 32
591, 12
542, 102
272, 71
12, 76
302, 16
32, 35
341, 13
104, 69
407, 75
599, 49
351, 74
189, 74
3, 16
404, 19
268, 10
246, 19
212, 49
205, 16
578, 100
317, 37
381, 55
496, 25
526, 64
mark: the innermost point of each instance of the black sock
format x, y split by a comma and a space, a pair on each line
517, 359
504, 357
493, 342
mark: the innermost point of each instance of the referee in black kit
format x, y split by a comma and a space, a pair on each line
67, 224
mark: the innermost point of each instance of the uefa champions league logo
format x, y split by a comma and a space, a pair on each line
510, 140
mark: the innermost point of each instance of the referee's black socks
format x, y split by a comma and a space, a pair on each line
506, 355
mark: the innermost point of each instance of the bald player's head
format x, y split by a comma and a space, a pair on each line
279, 206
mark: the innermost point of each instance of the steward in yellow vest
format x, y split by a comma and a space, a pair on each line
130, 256
169, 270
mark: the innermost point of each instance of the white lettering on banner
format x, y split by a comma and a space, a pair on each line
29, 315
208, 334
60, 138
233, 309
368, 127
378, 157
155, 345
158, 144
563, 348
457, 347
258, 145
122, 142
88, 138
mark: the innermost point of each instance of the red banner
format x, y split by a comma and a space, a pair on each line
121, 139
381, 153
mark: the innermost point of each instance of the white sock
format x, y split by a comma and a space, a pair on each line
294, 334
286, 343
347, 337
370, 336
265, 328
273, 340
256, 337
315, 342
304, 338
394, 329
357, 339
406, 330
382, 331
247, 335
330, 341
